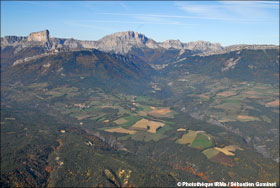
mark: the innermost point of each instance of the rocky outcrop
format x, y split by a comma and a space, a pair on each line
203, 46
172, 44
120, 43
42, 36
12, 40
237, 49
197, 46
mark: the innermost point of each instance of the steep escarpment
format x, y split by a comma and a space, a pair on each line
42, 36
160, 54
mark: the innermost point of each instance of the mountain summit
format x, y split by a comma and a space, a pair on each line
122, 42
42, 36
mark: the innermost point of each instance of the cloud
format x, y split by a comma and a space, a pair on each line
200, 13
151, 22
52, 4
124, 6
80, 24
235, 11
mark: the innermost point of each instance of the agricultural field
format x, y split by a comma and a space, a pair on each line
114, 128
161, 112
187, 138
274, 103
228, 102
228, 150
201, 141
120, 130
196, 139
147, 125
210, 152
68, 91
145, 136
130, 120
220, 155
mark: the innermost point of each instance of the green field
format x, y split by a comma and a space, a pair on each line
130, 121
201, 141
144, 108
126, 137
211, 152
187, 138
57, 92
146, 136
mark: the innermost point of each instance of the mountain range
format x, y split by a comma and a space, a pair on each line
18, 47
129, 111
133, 55
120, 42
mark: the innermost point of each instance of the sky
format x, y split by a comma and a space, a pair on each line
225, 22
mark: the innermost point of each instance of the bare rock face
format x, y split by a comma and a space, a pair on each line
199, 46
203, 46
42, 36
122, 42
172, 44
12, 39
119, 43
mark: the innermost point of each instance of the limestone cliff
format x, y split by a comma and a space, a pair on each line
42, 36
119, 43
122, 42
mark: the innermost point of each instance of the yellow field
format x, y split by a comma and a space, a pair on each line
120, 130
142, 113
260, 87
226, 94
120, 121
226, 120
160, 112
251, 92
204, 96
81, 117
188, 138
273, 103
247, 118
228, 150
254, 97
143, 124
107, 106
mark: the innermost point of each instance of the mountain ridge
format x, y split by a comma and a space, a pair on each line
120, 42
17, 49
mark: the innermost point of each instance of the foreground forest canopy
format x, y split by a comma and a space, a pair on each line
139, 113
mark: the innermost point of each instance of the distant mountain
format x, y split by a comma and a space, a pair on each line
88, 67
241, 64
120, 43
197, 46
237, 61
14, 48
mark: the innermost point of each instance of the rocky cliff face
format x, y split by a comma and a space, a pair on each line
12, 39
172, 44
42, 36
120, 43
203, 46
198, 46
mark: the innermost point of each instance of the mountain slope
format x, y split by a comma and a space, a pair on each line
86, 66
15, 48
244, 65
